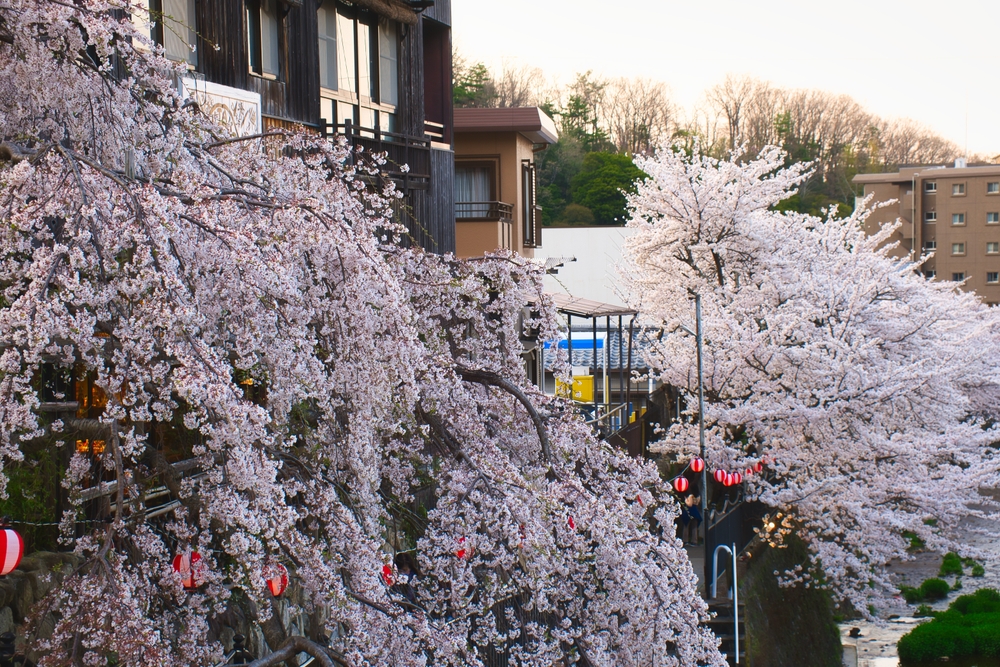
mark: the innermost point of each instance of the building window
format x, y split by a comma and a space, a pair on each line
264, 37
957, 189
958, 218
475, 189
993, 188
930, 245
930, 274
529, 209
992, 218
930, 187
930, 216
388, 63
957, 248
958, 277
170, 23
992, 277
992, 248
359, 68
327, 20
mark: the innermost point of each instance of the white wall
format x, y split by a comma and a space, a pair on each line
597, 251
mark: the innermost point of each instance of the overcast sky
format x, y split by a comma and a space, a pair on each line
936, 62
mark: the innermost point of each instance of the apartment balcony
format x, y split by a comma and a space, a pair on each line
483, 226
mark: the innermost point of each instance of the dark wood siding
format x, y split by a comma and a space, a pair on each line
223, 58
440, 12
295, 97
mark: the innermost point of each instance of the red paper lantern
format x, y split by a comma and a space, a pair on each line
461, 552
387, 575
697, 464
187, 565
279, 582
757, 467
720, 476
11, 550
737, 478
748, 472
728, 481
681, 484
638, 497
572, 524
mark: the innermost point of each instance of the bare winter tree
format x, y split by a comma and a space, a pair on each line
638, 113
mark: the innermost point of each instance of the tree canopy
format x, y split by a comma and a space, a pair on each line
871, 392
173, 264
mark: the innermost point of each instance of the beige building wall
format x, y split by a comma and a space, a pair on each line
506, 150
952, 213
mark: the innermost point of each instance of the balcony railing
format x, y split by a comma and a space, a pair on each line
399, 149
483, 211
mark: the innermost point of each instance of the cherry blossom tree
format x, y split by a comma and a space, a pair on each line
869, 391
176, 264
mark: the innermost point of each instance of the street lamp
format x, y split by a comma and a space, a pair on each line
697, 333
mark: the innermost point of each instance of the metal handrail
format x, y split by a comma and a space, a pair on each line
606, 414
483, 211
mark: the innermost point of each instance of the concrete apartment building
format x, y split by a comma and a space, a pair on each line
951, 211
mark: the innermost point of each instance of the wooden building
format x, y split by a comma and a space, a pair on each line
376, 71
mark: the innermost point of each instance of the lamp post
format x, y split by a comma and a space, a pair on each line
697, 333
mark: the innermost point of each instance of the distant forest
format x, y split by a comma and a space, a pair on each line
603, 122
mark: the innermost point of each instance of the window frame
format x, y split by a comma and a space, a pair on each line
492, 164
930, 274
930, 217
153, 26
996, 221
358, 101
255, 39
930, 245
930, 187
958, 189
958, 219
958, 249
995, 185
996, 248
958, 276
996, 277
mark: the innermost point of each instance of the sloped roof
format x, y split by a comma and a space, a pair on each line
587, 308
532, 122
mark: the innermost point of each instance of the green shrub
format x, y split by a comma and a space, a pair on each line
978, 570
934, 589
923, 610
930, 521
916, 544
970, 628
910, 594
952, 564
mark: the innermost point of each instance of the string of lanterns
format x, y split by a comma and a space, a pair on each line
681, 483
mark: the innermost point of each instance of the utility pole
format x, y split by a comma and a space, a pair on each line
701, 435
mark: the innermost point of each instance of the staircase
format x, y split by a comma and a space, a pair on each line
722, 624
